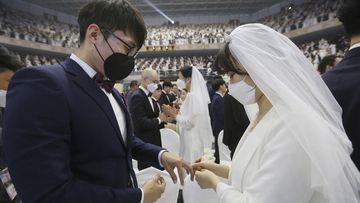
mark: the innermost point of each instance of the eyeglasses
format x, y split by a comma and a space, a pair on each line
132, 49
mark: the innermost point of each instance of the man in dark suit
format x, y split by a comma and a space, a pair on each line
164, 97
344, 79
217, 112
145, 112
133, 86
9, 64
235, 122
67, 134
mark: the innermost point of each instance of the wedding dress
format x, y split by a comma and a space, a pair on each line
299, 151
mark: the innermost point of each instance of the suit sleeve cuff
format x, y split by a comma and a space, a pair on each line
159, 157
142, 195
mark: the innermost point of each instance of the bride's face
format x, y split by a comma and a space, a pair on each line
235, 78
186, 80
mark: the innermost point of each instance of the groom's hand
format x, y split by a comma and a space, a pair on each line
170, 161
153, 189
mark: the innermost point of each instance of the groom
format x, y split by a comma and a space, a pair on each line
67, 134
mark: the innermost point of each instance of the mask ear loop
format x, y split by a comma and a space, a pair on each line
99, 53
107, 41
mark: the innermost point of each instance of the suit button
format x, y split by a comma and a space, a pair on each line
129, 184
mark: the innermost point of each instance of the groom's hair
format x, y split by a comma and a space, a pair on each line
349, 15
217, 83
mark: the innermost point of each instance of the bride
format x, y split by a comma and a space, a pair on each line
196, 136
296, 149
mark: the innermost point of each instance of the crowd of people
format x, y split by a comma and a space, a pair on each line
315, 51
303, 15
21, 25
35, 60
26, 26
174, 63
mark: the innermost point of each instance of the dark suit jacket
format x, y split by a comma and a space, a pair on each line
146, 122
164, 99
62, 141
235, 122
344, 82
172, 97
217, 114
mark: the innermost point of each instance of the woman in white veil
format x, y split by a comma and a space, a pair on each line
194, 120
296, 150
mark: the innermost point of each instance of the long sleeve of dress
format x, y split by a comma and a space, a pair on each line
282, 175
188, 112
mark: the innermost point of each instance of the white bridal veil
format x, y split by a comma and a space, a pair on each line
198, 89
304, 103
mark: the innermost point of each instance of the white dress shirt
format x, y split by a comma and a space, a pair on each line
119, 114
219, 94
150, 100
355, 46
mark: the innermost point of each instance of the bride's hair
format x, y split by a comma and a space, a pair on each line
186, 71
225, 62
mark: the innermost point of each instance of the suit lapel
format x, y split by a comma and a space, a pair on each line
129, 130
147, 101
84, 82
156, 107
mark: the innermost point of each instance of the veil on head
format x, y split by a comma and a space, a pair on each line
198, 86
305, 104
197, 102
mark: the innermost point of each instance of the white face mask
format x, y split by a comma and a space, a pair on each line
181, 84
242, 92
152, 87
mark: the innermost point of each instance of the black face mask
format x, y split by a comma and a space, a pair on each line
117, 66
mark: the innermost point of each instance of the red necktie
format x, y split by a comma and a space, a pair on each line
107, 85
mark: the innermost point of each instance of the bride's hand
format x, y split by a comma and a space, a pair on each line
206, 179
202, 163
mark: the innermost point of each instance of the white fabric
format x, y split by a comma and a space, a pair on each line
150, 100
171, 190
194, 120
119, 114
251, 111
224, 152
243, 92
170, 140
192, 193
355, 46
299, 151
3, 98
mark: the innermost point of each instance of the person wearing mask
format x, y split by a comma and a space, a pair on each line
194, 119
296, 149
67, 133
145, 113
343, 79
